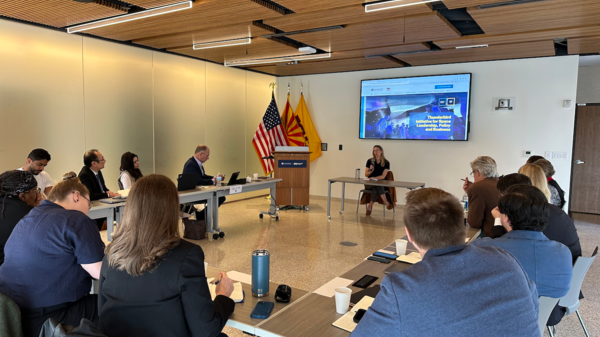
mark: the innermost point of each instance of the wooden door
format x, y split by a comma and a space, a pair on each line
585, 187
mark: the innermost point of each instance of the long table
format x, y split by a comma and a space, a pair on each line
210, 194
349, 180
313, 315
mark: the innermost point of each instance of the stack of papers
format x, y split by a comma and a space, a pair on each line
411, 258
369, 179
346, 322
328, 289
237, 295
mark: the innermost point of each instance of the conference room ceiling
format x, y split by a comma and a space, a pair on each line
414, 35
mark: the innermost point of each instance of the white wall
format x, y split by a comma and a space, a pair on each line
539, 124
588, 82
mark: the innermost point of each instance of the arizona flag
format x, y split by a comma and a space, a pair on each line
313, 140
291, 125
268, 135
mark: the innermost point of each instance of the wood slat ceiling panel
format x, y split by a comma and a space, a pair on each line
305, 68
584, 45
519, 37
259, 48
203, 15
418, 28
550, 14
378, 51
340, 16
513, 51
55, 13
152, 3
452, 4
316, 5
208, 35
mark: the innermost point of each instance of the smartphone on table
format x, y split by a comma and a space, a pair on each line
262, 310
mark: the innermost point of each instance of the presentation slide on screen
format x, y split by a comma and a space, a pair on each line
431, 107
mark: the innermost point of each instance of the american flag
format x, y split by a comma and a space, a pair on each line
268, 135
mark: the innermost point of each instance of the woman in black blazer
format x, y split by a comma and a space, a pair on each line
152, 282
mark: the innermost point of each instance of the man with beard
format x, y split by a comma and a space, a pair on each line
37, 160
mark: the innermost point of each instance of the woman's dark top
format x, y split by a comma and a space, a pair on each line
172, 300
377, 168
44, 254
561, 193
14, 210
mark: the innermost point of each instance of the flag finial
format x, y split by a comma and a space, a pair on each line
288, 88
301, 88
272, 85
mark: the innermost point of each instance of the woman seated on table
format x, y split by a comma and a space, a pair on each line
377, 167
51, 257
152, 282
538, 178
19, 194
130, 170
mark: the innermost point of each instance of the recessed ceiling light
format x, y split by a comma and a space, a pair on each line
473, 46
130, 17
223, 43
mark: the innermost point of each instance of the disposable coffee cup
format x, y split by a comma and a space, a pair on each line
342, 299
255, 176
401, 247
205, 268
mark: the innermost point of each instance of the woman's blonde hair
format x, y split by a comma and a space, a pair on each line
382, 156
538, 178
69, 184
150, 226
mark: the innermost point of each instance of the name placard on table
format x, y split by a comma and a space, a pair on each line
235, 189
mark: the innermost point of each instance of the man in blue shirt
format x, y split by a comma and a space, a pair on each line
456, 288
523, 212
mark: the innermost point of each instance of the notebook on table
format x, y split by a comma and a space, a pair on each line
346, 322
237, 295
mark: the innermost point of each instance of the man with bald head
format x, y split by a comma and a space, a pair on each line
196, 165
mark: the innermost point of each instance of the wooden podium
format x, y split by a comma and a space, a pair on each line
293, 167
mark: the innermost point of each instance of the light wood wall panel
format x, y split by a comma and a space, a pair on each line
333, 66
55, 13
340, 16
503, 52
208, 35
584, 45
118, 104
41, 97
518, 37
550, 14
179, 111
203, 15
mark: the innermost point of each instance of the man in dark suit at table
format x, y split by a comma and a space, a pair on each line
456, 288
91, 176
196, 165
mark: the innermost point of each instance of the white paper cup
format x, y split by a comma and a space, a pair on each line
205, 268
255, 176
342, 299
401, 247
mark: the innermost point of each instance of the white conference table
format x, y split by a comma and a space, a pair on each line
210, 194
350, 180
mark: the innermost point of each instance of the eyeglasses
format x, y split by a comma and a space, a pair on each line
37, 190
472, 173
88, 200
101, 160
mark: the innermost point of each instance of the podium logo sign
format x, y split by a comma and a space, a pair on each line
291, 163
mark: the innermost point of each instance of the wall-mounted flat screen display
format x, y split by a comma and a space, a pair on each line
422, 108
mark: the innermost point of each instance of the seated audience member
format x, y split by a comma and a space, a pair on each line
456, 288
19, 193
557, 194
483, 196
538, 178
560, 228
196, 165
130, 170
524, 214
37, 160
91, 176
152, 282
533, 159
377, 167
51, 257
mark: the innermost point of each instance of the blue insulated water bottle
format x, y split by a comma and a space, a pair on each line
260, 273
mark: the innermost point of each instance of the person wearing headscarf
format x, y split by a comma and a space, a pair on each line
19, 193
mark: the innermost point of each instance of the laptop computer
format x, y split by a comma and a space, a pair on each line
232, 179
187, 181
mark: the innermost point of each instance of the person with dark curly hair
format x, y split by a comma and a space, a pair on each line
19, 193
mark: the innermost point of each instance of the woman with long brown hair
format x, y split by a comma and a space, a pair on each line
152, 282
377, 168
51, 257
130, 170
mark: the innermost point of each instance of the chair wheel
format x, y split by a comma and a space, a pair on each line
277, 218
222, 234
260, 216
215, 236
